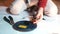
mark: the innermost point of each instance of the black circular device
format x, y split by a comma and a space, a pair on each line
23, 26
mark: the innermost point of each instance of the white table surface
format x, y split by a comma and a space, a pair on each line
49, 26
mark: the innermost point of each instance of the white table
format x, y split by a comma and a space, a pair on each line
49, 26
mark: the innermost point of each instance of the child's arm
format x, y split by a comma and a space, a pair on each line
41, 5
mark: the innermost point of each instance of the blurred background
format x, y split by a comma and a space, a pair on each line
8, 3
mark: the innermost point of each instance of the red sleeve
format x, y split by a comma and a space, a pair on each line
42, 3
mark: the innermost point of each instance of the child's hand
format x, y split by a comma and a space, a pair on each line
39, 15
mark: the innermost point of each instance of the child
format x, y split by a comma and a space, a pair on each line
47, 6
